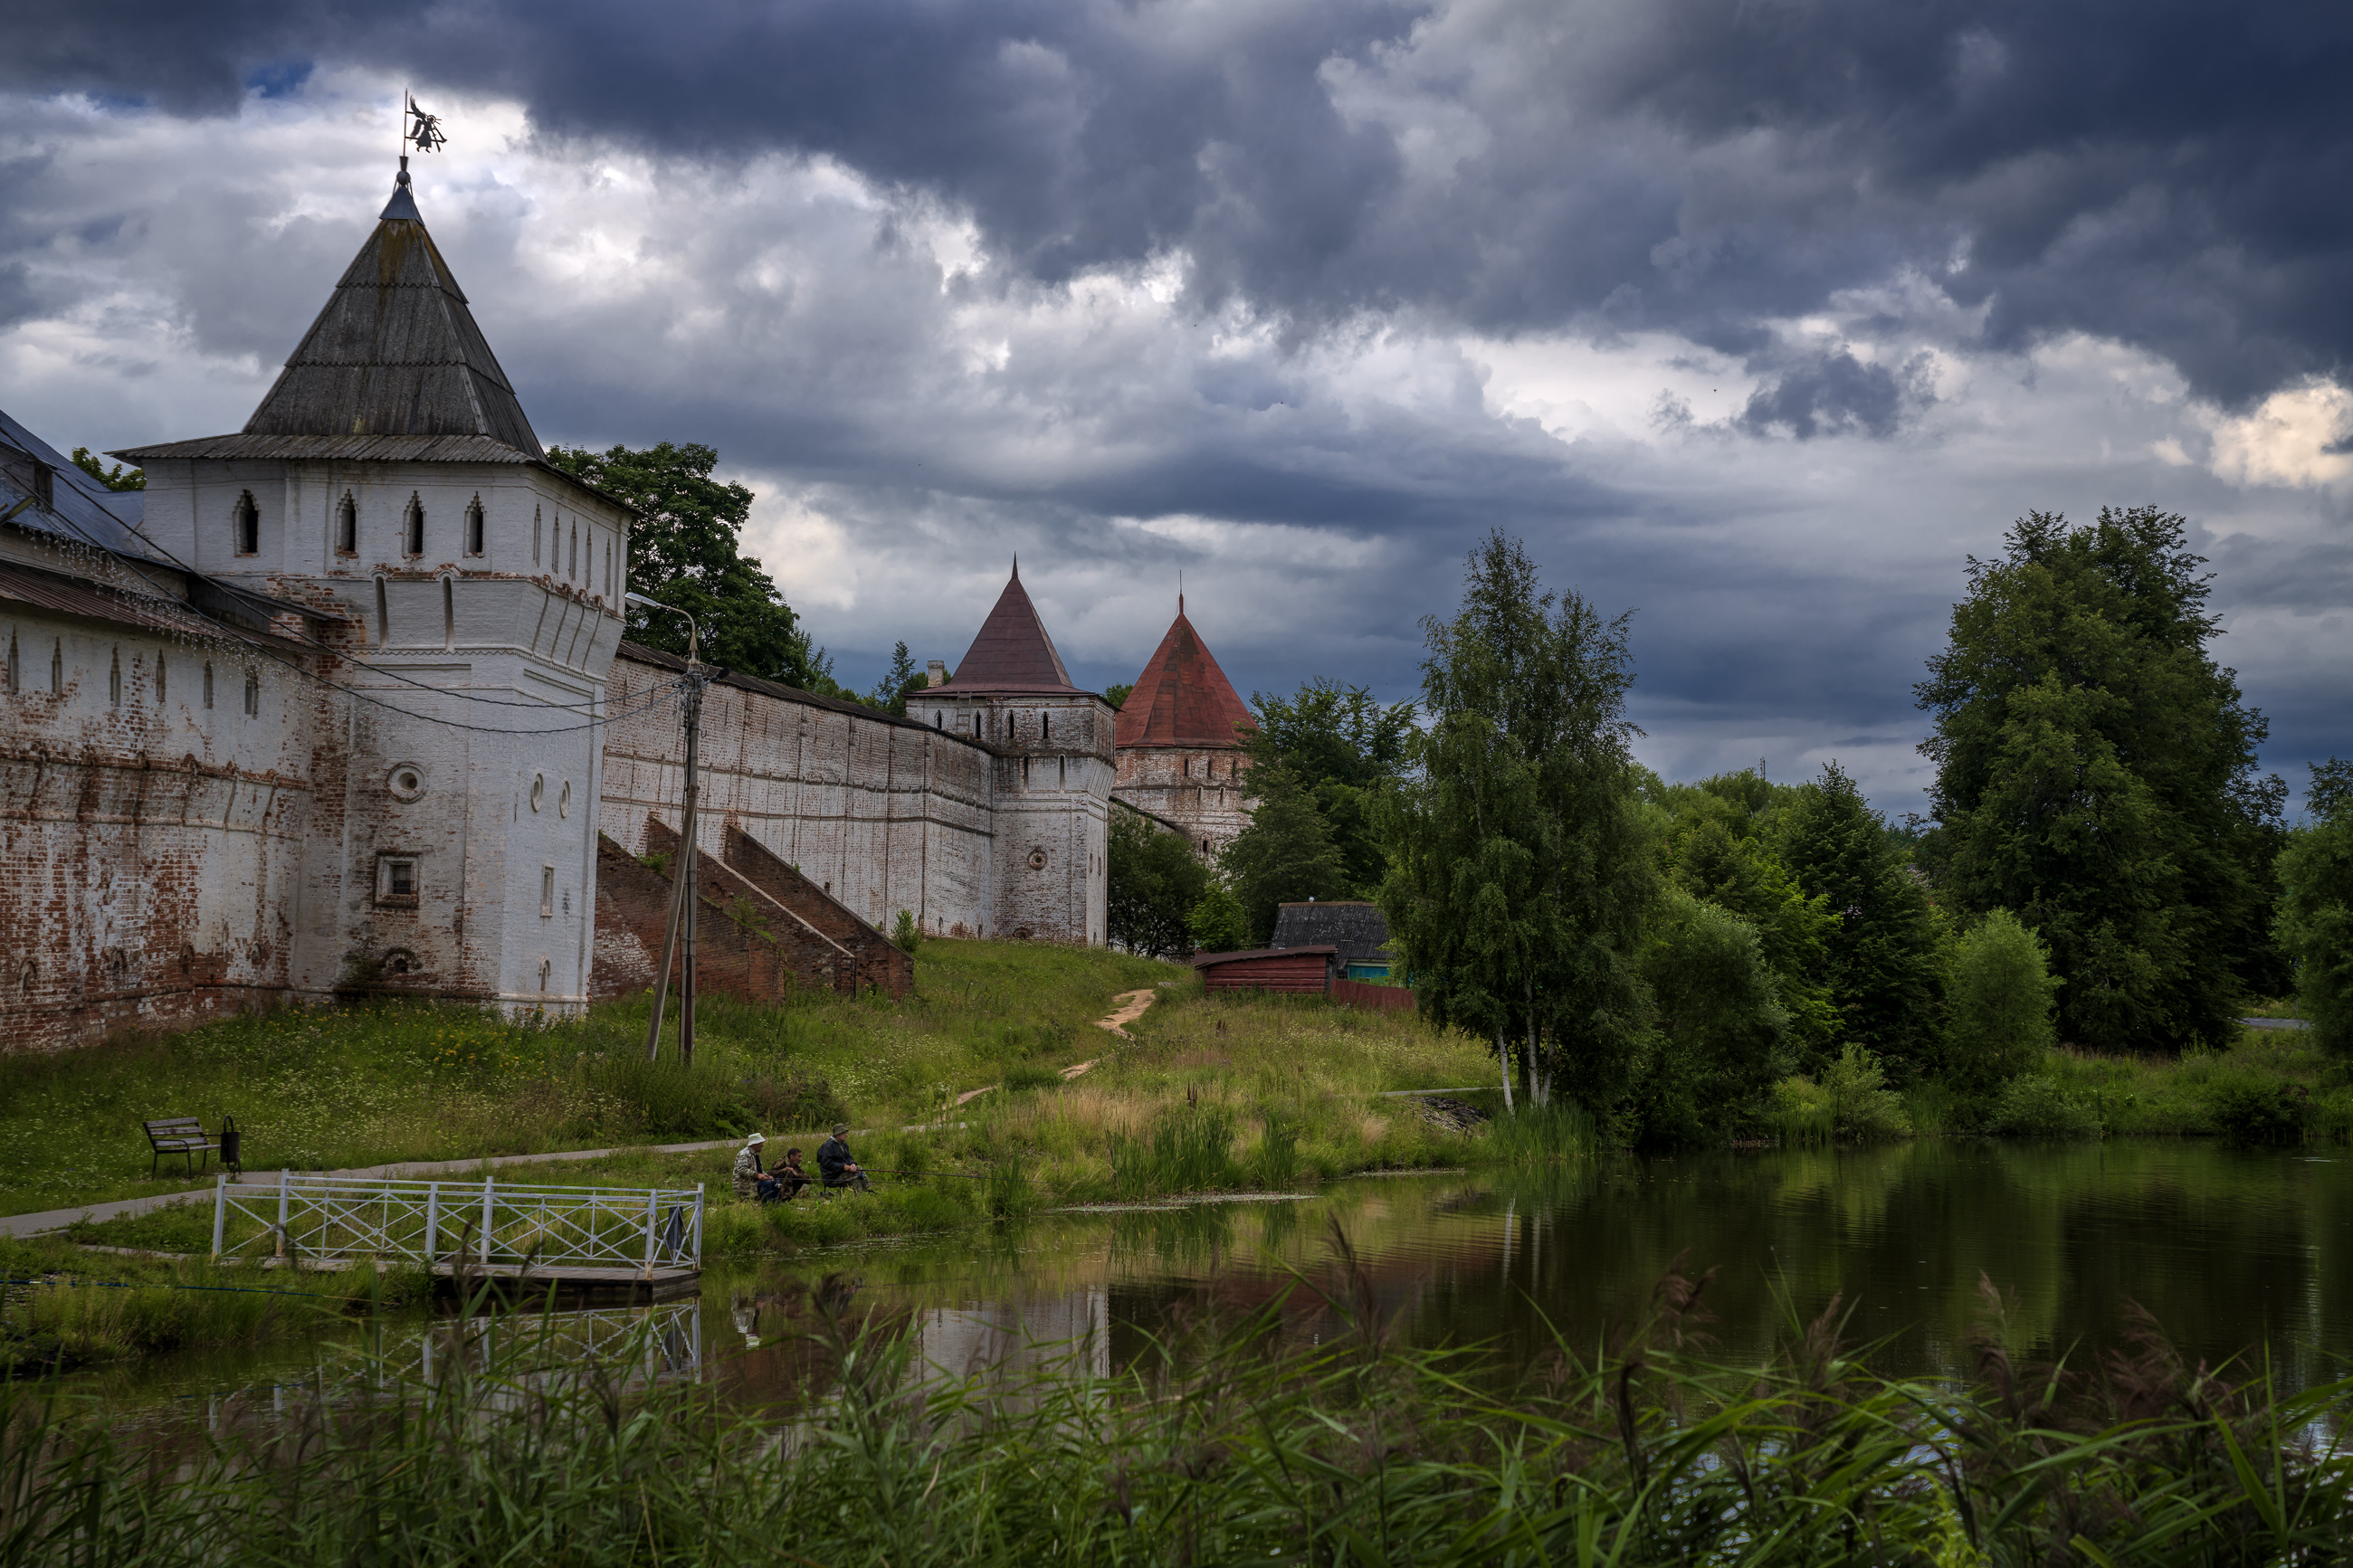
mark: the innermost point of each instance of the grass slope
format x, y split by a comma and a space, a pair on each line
1223, 1092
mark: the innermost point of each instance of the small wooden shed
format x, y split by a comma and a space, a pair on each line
1304, 970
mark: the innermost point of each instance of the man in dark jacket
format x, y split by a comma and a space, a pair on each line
834, 1166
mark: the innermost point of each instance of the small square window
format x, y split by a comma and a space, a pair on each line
397, 882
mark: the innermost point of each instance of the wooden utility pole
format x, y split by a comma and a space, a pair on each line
682, 872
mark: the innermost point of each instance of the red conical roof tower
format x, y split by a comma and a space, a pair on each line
1013, 652
1183, 698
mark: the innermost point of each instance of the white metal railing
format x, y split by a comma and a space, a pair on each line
329, 1218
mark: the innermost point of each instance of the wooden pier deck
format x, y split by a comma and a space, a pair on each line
575, 1283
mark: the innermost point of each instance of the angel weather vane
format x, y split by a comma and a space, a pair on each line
418, 130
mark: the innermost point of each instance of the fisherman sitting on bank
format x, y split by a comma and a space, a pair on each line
790, 1176
751, 1180
834, 1166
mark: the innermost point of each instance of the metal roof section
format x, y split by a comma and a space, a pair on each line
1012, 653
42, 491
1183, 698
336, 449
97, 601
396, 353
1357, 931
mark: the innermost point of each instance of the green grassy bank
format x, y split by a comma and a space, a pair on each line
1292, 1086
1299, 1434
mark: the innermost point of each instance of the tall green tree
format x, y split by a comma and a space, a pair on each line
1155, 880
2316, 923
117, 477
1721, 1038
1520, 867
1341, 744
1794, 931
890, 693
2095, 774
1286, 853
2002, 1008
687, 552
1885, 967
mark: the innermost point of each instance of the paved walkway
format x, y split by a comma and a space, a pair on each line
58, 1219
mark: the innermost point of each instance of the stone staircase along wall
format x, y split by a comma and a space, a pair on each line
763, 931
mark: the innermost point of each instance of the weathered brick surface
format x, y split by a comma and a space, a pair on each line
875, 959
1204, 790
732, 956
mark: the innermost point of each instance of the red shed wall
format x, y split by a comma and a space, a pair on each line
1275, 971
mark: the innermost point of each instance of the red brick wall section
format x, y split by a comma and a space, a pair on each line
1301, 971
880, 961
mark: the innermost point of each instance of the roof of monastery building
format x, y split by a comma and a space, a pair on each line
394, 369
1013, 652
1183, 698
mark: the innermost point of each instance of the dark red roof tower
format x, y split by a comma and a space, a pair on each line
1183, 698
1013, 652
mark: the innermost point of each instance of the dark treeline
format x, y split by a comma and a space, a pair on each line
2103, 865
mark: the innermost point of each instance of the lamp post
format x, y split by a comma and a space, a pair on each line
682, 879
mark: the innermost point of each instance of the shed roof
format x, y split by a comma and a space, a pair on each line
396, 353
1359, 931
1183, 698
1212, 960
1012, 652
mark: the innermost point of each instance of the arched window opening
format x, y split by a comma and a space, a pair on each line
249, 524
162, 693
572, 566
347, 526
1046, 727
449, 613
57, 667
209, 683
252, 695
474, 526
535, 536
114, 681
411, 527
383, 615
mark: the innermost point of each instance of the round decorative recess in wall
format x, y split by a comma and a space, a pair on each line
564, 799
406, 782
1037, 859
538, 790
399, 962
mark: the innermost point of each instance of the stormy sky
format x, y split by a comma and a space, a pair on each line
1756, 317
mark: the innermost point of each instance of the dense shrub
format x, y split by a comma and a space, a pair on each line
2315, 923
2034, 1106
2254, 1112
1864, 1110
2002, 992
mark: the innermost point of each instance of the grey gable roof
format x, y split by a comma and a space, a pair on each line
1358, 930
394, 363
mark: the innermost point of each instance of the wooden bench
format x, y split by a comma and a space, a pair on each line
181, 1135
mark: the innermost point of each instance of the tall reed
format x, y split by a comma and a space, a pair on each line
1298, 1434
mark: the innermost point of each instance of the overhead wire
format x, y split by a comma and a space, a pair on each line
654, 696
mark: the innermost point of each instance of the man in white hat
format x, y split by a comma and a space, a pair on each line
748, 1169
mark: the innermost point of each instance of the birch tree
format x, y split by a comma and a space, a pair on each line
1520, 873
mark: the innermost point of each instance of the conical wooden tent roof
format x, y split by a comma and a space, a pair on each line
393, 367
1013, 652
1183, 698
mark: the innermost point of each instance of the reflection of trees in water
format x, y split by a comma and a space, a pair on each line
2224, 1247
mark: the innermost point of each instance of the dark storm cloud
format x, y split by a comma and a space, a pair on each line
2168, 174
1830, 394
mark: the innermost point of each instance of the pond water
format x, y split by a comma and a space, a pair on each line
2230, 1251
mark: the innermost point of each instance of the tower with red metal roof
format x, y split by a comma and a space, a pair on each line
1180, 739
